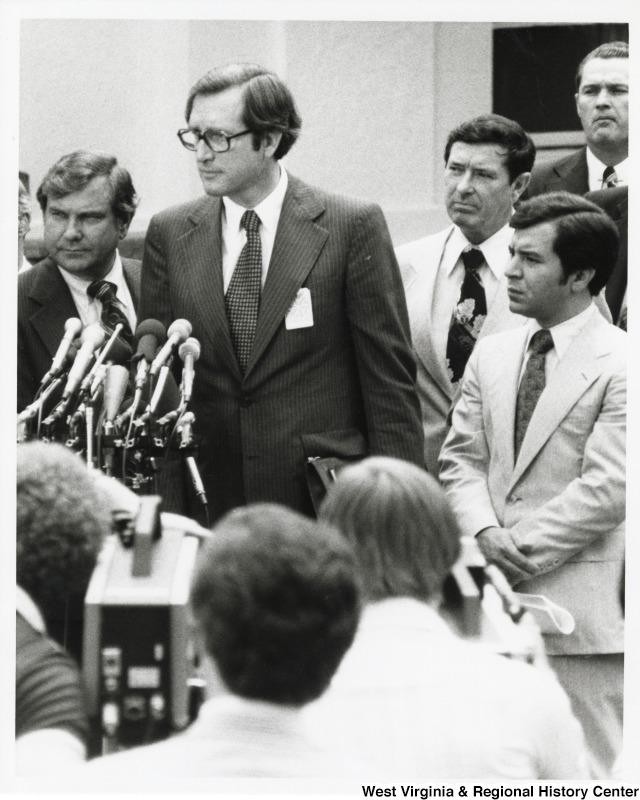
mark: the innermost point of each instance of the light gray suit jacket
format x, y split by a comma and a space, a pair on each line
564, 496
419, 263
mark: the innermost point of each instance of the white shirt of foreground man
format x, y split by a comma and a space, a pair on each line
420, 703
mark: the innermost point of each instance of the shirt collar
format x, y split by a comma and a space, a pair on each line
564, 332
495, 249
268, 210
596, 168
29, 610
79, 283
413, 613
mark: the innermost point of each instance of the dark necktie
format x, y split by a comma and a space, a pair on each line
468, 315
112, 313
242, 300
609, 178
532, 383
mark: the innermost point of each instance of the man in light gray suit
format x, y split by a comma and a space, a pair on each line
295, 296
488, 163
534, 464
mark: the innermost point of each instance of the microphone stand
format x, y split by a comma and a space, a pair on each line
184, 427
89, 417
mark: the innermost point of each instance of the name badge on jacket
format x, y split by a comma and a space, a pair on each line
300, 314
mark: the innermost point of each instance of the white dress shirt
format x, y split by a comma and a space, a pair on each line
596, 168
233, 737
450, 276
416, 702
234, 236
562, 334
89, 309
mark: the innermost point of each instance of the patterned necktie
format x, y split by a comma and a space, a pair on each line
532, 383
609, 178
468, 315
242, 300
112, 313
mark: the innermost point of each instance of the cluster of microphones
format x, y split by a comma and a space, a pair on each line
100, 400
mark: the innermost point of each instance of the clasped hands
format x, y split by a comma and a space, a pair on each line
498, 547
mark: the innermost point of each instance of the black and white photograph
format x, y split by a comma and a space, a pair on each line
320, 318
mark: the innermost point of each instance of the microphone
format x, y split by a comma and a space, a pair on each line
189, 352
177, 333
149, 334
511, 604
34, 408
72, 328
92, 337
114, 344
115, 387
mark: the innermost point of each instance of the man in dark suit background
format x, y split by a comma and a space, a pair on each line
298, 304
88, 201
602, 102
615, 202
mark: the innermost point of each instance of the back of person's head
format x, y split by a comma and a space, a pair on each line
268, 102
607, 50
496, 129
74, 171
399, 521
585, 236
276, 602
62, 520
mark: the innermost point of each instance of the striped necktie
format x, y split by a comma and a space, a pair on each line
112, 313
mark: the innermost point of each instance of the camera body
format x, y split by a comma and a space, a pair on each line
138, 656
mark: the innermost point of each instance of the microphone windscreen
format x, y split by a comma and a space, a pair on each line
190, 348
73, 326
93, 334
115, 387
181, 327
147, 348
119, 353
152, 327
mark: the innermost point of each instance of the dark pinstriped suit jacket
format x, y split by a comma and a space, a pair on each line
344, 386
44, 305
569, 174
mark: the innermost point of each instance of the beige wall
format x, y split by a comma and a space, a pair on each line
377, 100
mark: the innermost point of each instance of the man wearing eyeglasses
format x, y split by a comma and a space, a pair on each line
295, 296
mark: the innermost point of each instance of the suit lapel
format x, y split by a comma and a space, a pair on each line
132, 271
51, 292
574, 173
299, 240
506, 362
202, 259
579, 368
419, 305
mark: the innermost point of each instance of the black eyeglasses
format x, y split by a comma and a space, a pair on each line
218, 141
